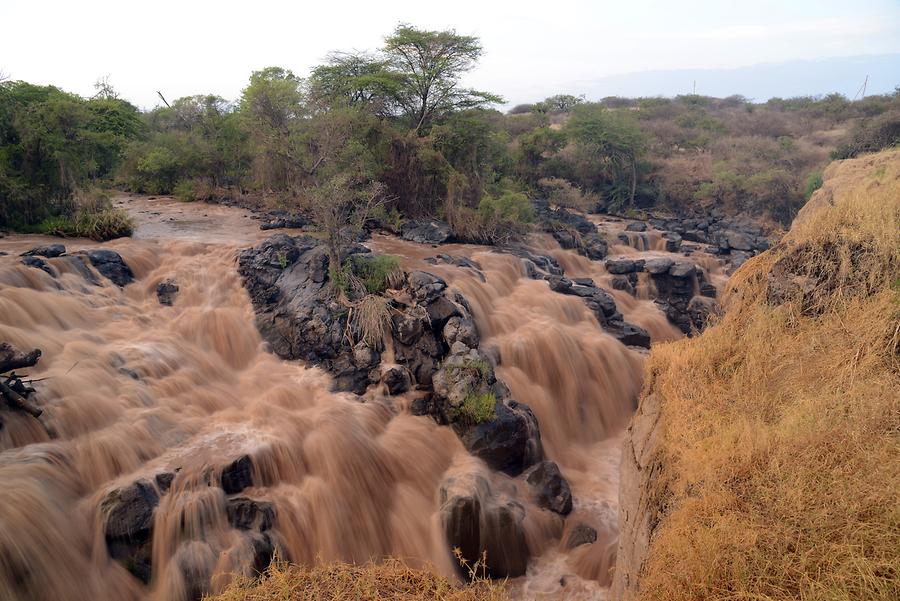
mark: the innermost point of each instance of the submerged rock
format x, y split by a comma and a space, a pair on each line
237, 475
166, 291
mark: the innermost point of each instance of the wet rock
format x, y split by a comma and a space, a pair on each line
127, 515
297, 313
550, 489
622, 282
440, 310
425, 231
580, 534
164, 480
425, 286
49, 251
628, 333
673, 242
237, 475
396, 379
682, 269
195, 560
476, 522
461, 329
637, 226
37, 263
166, 291
508, 443
708, 289
658, 266
623, 265
245, 513
111, 266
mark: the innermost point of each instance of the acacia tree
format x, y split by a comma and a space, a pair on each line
355, 79
611, 139
430, 64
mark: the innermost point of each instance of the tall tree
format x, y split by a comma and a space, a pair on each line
430, 64
355, 79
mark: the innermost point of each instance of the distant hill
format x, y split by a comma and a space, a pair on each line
758, 82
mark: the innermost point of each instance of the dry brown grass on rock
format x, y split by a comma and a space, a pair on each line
391, 579
781, 443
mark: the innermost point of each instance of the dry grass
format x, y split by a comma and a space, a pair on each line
781, 448
391, 579
370, 318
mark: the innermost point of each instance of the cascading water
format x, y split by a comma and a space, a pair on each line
134, 389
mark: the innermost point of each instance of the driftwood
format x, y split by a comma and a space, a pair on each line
11, 358
13, 389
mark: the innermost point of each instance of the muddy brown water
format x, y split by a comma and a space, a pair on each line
133, 388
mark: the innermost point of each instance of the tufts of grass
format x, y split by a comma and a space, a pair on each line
377, 273
94, 217
479, 407
390, 579
781, 423
370, 318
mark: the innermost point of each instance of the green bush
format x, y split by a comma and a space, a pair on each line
184, 190
377, 273
813, 183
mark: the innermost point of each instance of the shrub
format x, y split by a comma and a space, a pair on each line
813, 183
377, 273
563, 193
94, 217
184, 190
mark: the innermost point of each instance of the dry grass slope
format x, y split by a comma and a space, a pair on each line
391, 579
781, 442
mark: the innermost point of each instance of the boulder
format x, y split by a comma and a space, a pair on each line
682, 269
658, 265
701, 309
551, 490
166, 291
110, 265
508, 443
127, 515
478, 523
237, 475
461, 329
580, 534
245, 513
623, 265
425, 231
49, 251
396, 379
425, 286
637, 226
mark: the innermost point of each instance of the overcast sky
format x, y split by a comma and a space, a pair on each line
532, 49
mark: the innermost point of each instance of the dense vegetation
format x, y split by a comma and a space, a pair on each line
396, 129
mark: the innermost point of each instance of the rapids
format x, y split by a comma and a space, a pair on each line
132, 388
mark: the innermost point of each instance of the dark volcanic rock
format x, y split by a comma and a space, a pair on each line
477, 522
284, 220
508, 443
37, 263
580, 534
237, 475
297, 314
111, 266
166, 291
127, 515
425, 231
550, 488
49, 251
396, 379
624, 265
250, 514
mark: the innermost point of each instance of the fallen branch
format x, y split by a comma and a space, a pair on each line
17, 400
